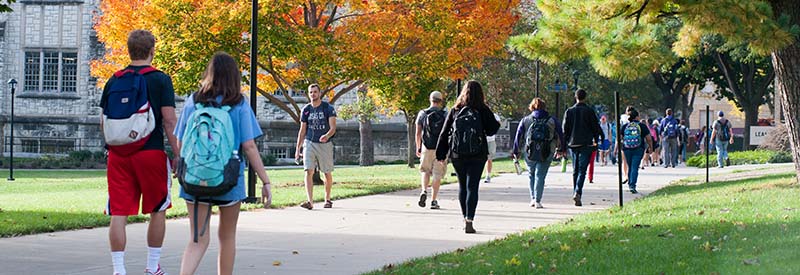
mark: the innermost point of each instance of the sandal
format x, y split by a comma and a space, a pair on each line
328, 204
307, 205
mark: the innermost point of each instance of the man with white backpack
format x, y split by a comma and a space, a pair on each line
138, 110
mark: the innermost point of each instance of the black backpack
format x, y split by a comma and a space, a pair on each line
468, 138
432, 127
538, 138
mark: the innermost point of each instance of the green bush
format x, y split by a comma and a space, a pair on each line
742, 157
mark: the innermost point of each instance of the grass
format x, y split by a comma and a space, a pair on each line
57, 200
749, 226
742, 157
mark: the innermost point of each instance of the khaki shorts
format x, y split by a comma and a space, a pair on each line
318, 156
492, 149
428, 164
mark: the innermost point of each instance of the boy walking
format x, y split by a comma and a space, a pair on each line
722, 135
317, 127
582, 132
143, 173
429, 125
670, 130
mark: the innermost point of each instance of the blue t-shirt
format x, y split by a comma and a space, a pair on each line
317, 120
245, 127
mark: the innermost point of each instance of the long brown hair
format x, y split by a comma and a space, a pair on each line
221, 78
471, 96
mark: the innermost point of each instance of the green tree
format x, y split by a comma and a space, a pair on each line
618, 37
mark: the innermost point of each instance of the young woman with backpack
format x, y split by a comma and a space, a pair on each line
636, 138
540, 139
463, 138
220, 87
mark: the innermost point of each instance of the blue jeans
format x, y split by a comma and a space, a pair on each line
722, 152
537, 173
580, 161
633, 157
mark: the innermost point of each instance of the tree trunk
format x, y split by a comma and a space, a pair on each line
411, 128
367, 155
750, 119
787, 69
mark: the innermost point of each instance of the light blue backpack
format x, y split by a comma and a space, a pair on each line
209, 164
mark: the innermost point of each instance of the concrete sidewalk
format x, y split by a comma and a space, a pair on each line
357, 235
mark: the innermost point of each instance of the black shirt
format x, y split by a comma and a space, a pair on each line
490, 127
160, 93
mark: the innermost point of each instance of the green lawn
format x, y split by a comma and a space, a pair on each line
47, 201
739, 227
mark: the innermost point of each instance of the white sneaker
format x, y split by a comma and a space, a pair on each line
488, 179
539, 205
533, 203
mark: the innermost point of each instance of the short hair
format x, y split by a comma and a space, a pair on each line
537, 104
314, 85
632, 113
580, 94
669, 111
140, 44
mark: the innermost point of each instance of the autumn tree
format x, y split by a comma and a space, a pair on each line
617, 36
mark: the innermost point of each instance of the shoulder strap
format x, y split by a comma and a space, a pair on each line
143, 71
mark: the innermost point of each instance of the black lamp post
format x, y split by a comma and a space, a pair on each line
13, 83
251, 173
575, 75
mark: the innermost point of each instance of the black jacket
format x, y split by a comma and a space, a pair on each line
581, 127
490, 127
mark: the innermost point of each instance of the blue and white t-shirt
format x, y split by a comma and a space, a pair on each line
317, 120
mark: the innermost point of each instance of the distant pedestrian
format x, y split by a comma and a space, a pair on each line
138, 169
722, 135
684, 141
429, 125
317, 128
700, 140
463, 138
492, 141
605, 147
655, 152
670, 134
220, 87
635, 138
539, 139
582, 132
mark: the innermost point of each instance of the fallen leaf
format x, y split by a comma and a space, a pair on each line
592, 203
708, 247
641, 226
666, 234
276, 263
785, 217
513, 261
582, 261
388, 267
565, 247
701, 212
788, 209
295, 252
725, 210
624, 240
753, 261
696, 238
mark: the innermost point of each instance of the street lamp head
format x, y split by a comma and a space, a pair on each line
575, 73
12, 81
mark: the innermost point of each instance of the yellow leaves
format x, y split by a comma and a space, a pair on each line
514, 261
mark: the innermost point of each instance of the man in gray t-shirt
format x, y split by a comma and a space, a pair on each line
317, 127
722, 135
429, 126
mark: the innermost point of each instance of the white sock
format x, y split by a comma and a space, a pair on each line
118, 259
153, 256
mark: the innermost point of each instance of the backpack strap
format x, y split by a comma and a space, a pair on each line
143, 71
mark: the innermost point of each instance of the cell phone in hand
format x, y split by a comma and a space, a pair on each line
517, 167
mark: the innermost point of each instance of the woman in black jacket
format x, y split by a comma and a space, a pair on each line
463, 137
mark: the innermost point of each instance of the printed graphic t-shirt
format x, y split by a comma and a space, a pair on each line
317, 120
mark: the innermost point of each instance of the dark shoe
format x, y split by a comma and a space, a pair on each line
577, 199
328, 204
307, 205
422, 197
625, 181
633, 191
434, 204
469, 229
727, 162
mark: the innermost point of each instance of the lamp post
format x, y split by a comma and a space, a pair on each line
251, 173
13, 83
575, 75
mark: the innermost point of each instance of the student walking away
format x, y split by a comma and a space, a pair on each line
317, 127
670, 134
492, 152
722, 135
539, 138
138, 105
684, 141
582, 132
700, 140
215, 123
635, 138
655, 151
605, 147
463, 138
429, 125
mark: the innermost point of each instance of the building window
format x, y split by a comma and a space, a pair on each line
282, 152
51, 71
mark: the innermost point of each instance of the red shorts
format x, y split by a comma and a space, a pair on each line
144, 174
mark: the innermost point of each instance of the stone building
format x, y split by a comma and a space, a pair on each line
46, 45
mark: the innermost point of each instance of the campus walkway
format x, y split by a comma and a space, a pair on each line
357, 235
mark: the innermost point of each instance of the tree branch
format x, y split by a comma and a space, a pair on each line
724, 65
274, 100
638, 13
345, 90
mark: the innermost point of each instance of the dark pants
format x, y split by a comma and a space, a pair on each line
469, 177
580, 161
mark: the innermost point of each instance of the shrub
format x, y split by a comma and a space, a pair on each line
743, 157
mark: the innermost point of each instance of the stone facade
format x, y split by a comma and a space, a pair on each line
57, 114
